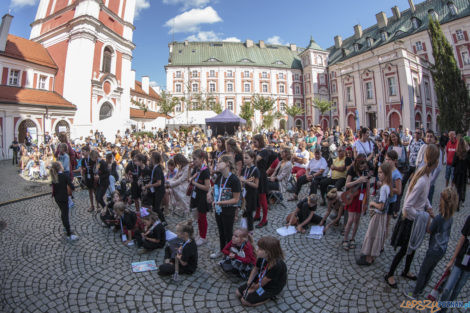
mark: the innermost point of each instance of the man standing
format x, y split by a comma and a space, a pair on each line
47, 138
209, 132
451, 147
413, 149
406, 138
28, 141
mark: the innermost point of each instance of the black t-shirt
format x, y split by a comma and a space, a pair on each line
277, 274
200, 201
348, 161
262, 166
354, 175
28, 140
158, 175
189, 255
129, 219
134, 170
88, 165
158, 232
305, 209
465, 248
230, 186
248, 172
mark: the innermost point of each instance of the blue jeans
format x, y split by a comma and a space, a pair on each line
454, 284
449, 172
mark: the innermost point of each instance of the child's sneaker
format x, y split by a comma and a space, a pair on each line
130, 243
201, 241
72, 238
216, 255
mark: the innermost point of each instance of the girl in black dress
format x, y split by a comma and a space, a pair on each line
461, 163
156, 185
60, 184
87, 175
262, 165
101, 176
250, 182
132, 172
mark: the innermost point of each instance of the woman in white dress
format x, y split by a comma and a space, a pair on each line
178, 185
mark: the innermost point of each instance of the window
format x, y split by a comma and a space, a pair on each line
369, 91
229, 73
211, 87
459, 34
282, 88
416, 88
415, 22
281, 75
356, 47
297, 90
427, 91
246, 74
282, 106
178, 74
14, 78
349, 94
246, 87
264, 87
229, 87
195, 88
383, 35
299, 104
106, 111
107, 57
42, 82
230, 105
296, 77
392, 86
264, 75
419, 46
370, 41
322, 79
211, 73
178, 107
194, 74
178, 88
319, 60
452, 8
333, 88
465, 58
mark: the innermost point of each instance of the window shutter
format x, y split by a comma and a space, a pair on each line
465, 34
35, 81
424, 46
414, 49
5, 76
455, 38
23, 79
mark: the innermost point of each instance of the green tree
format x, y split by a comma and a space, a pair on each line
262, 104
452, 95
167, 104
140, 105
294, 110
246, 111
322, 105
268, 120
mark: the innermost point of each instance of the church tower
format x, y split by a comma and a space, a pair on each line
91, 43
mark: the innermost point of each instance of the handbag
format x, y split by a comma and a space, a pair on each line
189, 190
436, 291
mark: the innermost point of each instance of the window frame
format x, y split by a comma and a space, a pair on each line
42, 82
245, 85
459, 35
392, 88
15, 77
197, 87
230, 103
369, 91
282, 88
212, 87
176, 88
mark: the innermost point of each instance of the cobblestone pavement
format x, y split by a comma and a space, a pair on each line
14, 186
41, 272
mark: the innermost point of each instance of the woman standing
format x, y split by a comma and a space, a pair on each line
60, 185
262, 165
156, 185
87, 175
416, 201
396, 145
236, 153
101, 177
200, 179
250, 181
461, 164
227, 190
218, 152
177, 186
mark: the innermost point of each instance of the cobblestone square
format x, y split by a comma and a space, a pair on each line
41, 272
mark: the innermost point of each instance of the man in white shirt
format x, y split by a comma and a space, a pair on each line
314, 173
300, 160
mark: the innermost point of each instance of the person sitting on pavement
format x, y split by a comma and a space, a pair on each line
304, 214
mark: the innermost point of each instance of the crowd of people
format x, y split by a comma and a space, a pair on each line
136, 179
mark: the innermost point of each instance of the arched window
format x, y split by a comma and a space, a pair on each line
106, 111
107, 58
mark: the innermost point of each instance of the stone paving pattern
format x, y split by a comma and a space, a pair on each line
41, 272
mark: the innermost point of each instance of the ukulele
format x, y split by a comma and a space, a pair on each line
348, 196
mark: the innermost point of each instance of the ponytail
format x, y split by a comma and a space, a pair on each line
54, 172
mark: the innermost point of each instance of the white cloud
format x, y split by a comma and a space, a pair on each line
22, 3
141, 5
189, 21
188, 3
153, 83
210, 36
274, 40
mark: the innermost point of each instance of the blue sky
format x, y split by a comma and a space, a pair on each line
293, 21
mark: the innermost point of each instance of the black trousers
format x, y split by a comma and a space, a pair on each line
273, 185
15, 157
156, 204
225, 222
251, 202
100, 192
64, 214
313, 185
325, 182
142, 243
397, 259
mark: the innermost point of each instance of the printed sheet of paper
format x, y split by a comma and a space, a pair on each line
286, 231
144, 266
316, 232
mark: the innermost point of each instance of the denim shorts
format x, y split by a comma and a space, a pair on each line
449, 172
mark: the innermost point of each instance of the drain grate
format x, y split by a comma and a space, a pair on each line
3, 225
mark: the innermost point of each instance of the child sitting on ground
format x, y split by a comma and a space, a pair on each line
107, 216
185, 255
128, 222
304, 214
153, 235
239, 255
268, 277
334, 204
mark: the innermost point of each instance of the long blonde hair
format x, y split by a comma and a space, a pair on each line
54, 172
387, 169
431, 158
449, 202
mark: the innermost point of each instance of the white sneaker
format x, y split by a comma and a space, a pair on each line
216, 255
201, 241
72, 238
130, 243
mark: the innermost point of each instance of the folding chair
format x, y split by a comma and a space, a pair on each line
276, 197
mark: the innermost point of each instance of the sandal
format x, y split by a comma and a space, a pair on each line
408, 276
363, 261
394, 285
352, 244
345, 245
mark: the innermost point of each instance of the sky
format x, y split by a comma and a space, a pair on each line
159, 22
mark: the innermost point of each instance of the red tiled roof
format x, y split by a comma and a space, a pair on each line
28, 50
151, 115
138, 89
35, 97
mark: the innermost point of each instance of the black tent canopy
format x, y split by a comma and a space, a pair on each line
225, 122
